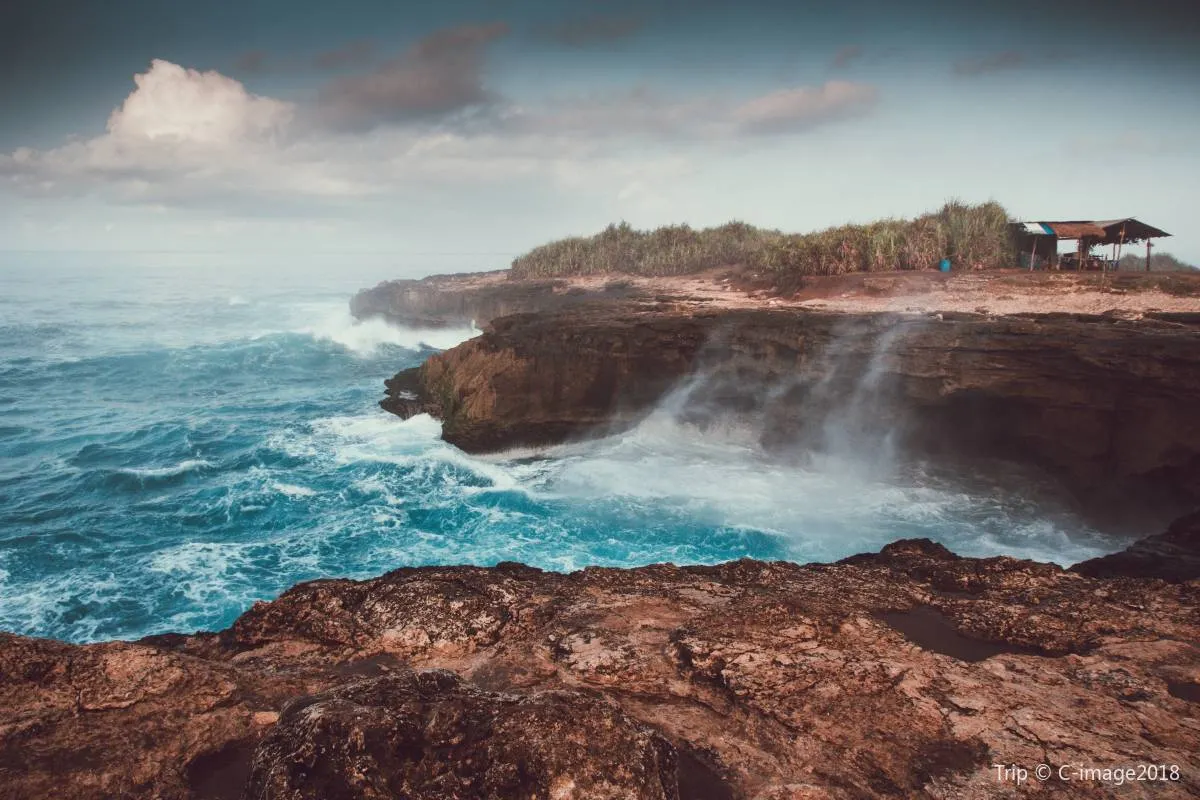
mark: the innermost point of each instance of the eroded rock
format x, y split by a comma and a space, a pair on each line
748, 680
427, 736
1104, 406
1173, 555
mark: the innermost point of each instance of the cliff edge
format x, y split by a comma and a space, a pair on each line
1104, 405
907, 673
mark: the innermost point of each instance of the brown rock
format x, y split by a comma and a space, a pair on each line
1103, 405
873, 677
428, 736
1173, 556
458, 300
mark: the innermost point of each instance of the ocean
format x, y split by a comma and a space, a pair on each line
178, 443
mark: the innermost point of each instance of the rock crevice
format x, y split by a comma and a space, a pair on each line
743, 680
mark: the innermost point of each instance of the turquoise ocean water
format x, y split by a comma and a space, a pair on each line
177, 444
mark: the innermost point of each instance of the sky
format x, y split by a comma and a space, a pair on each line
459, 134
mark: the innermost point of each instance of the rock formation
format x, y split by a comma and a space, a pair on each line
908, 673
1103, 405
1172, 556
458, 300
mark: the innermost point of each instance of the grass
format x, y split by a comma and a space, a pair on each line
971, 236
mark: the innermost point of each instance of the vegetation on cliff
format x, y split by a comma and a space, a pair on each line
969, 235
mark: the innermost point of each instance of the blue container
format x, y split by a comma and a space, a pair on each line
944, 265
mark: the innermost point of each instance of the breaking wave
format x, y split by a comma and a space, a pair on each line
366, 337
170, 457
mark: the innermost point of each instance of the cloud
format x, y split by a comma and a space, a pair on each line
439, 75
186, 138
172, 103
993, 62
791, 110
591, 30
646, 114
181, 136
846, 55
252, 61
358, 53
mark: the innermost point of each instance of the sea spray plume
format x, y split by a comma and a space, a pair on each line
806, 454
862, 419
365, 337
837, 406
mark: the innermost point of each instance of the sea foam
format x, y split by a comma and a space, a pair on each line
187, 465
365, 337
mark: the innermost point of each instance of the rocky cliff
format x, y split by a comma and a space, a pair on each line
1106, 406
458, 300
908, 673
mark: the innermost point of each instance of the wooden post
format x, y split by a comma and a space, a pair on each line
1149, 244
1033, 255
1120, 243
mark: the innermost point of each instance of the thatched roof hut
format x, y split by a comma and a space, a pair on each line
1037, 242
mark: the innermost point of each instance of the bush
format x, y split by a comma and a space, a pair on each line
972, 236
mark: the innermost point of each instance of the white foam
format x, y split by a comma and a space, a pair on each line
38, 605
168, 472
365, 337
292, 491
238, 300
823, 508
207, 573
375, 486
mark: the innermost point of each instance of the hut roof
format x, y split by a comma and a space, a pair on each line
1102, 231
1129, 230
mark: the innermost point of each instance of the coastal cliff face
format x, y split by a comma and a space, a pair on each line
1105, 406
908, 673
458, 300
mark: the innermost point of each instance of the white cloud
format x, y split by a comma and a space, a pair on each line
174, 104
184, 136
187, 138
804, 107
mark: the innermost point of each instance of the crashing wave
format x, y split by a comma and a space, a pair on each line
366, 337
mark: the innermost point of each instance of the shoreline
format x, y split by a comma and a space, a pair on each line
745, 679
1101, 403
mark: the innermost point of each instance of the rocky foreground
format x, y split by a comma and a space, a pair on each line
908, 673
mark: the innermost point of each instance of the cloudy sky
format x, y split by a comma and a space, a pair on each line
470, 131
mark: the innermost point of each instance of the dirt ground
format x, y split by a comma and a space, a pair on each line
999, 292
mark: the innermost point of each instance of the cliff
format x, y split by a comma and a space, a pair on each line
908, 673
459, 300
1104, 405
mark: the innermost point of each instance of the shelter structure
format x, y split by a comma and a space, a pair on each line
1037, 242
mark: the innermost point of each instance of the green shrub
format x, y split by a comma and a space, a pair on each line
972, 236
